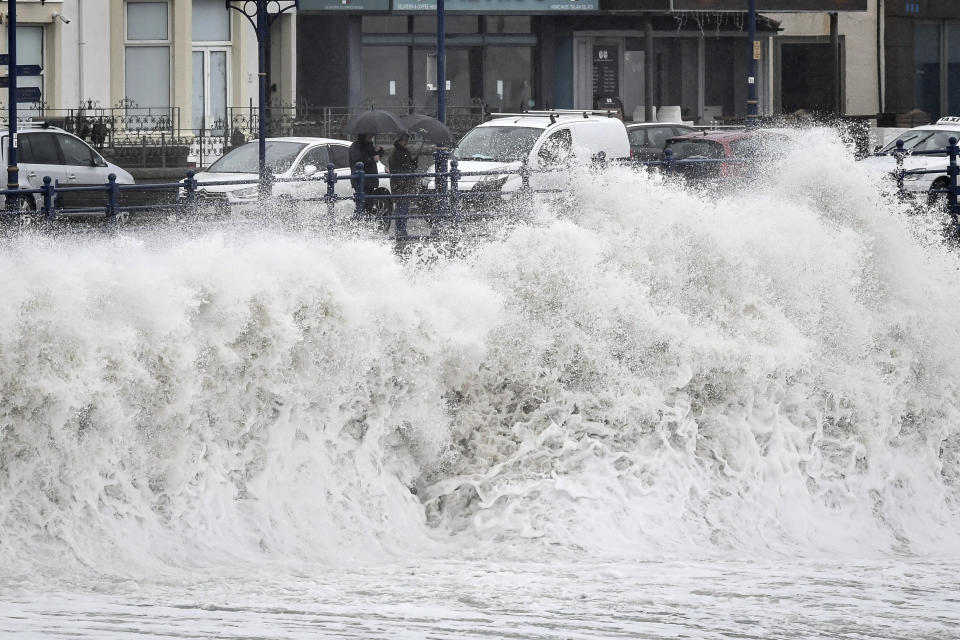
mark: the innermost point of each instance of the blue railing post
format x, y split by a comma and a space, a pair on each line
112, 192
454, 186
952, 171
668, 160
358, 195
898, 156
191, 187
440, 168
47, 189
331, 180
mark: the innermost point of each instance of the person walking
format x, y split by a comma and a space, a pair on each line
402, 161
363, 150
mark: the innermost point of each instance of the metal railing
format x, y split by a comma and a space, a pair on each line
446, 200
951, 151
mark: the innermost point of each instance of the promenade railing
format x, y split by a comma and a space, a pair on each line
444, 198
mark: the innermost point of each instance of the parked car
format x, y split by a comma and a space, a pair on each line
932, 137
648, 139
290, 157
544, 140
44, 150
745, 151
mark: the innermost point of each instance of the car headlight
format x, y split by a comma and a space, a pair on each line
248, 192
490, 185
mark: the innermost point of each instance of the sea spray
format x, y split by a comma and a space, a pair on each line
646, 369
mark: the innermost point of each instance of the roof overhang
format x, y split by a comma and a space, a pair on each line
739, 6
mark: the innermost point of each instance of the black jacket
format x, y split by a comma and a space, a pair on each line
402, 162
364, 152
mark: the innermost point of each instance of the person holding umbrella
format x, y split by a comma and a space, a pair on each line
401, 161
362, 150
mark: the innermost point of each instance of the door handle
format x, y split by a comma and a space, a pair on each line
31, 174
71, 176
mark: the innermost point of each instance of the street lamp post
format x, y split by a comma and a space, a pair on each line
257, 13
754, 56
13, 171
441, 64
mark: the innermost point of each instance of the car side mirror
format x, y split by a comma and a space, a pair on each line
877, 148
309, 170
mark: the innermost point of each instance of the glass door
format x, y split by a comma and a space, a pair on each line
210, 88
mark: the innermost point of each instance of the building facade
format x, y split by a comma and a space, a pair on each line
509, 55
922, 62
197, 61
192, 60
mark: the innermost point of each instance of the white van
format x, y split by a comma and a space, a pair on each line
44, 150
555, 140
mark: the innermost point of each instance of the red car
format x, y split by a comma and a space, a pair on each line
746, 150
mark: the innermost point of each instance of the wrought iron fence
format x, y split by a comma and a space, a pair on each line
134, 136
445, 200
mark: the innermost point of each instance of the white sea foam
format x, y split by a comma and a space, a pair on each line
649, 373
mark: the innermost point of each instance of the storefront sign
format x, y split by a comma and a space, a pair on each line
497, 6
771, 5
344, 5
606, 71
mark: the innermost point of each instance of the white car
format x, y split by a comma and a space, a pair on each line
545, 140
932, 137
43, 150
304, 159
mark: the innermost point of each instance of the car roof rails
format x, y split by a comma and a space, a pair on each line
554, 113
34, 124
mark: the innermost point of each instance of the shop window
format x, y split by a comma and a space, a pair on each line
508, 75
147, 56
953, 68
385, 24
676, 75
807, 77
507, 24
385, 75
454, 24
926, 64
457, 73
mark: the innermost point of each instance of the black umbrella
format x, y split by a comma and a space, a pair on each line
430, 129
374, 121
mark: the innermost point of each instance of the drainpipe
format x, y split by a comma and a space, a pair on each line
835, 48
81, 47
881, 56
648, 69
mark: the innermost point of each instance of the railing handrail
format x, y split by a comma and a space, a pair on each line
447, 194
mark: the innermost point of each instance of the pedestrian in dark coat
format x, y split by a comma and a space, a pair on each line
362, 150
402, 161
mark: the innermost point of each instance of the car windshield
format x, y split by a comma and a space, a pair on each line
922, 140
246, 159
500, 144
695, 149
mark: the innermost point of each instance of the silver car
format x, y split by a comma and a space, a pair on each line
44, 150
303, 159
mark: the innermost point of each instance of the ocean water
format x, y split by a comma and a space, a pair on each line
646, 411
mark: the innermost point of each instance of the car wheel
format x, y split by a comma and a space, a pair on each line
938, 200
